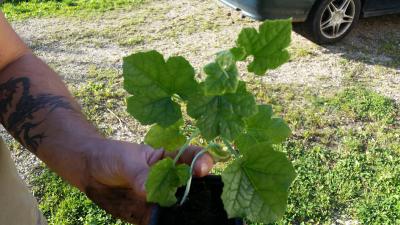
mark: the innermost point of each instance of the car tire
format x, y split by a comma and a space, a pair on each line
331, 20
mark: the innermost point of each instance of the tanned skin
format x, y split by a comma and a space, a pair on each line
38, 110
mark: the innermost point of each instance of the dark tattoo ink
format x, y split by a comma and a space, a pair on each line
17, 108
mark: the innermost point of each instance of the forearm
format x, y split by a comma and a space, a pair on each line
38, 110
11, 46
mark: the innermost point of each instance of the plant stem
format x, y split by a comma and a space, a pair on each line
230, 148
189, 183
186, 145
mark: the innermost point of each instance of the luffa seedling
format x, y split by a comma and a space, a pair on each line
225, 114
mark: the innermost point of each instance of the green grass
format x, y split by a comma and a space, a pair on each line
346, 151
345, 148
17, 10
101, 96
362, 104
62, 204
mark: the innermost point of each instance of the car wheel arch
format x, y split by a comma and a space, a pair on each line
315, 5
313, 8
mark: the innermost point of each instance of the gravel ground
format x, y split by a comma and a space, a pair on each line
197, 30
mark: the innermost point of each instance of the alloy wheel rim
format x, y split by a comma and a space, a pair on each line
337, 18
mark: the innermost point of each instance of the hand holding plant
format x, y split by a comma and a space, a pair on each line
117, 171
224, 115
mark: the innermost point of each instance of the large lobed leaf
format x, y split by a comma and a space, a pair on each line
222, 115
149, 110
153, 81
256, 186
268, 46
263, 128
170, 138
163, 181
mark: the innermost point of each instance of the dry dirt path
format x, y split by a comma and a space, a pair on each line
198, 29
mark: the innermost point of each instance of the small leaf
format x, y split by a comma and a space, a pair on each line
222, 115
222, 75
263, 128
256, 186
268, 47
169, 138
183, 172
153, 82
163, 181
218, 154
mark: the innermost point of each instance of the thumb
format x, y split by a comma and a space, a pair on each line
141, 181
137, 169
136, 177
203, 165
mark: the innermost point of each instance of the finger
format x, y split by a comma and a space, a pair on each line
203, 165
187, 156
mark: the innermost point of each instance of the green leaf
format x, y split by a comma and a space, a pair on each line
263, 128
169, 138
222, 115
148, 111
256, 186
238, 53
218, 154
183, 172
152, 82
268, 47
222, 75
163, 181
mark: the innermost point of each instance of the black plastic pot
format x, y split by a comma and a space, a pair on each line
203, 206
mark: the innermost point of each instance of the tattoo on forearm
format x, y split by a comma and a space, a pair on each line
18, 107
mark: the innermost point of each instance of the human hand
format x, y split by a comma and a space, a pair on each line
117, 171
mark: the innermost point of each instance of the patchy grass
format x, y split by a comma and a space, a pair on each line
101, 96
17, 9
345, 153
63, 204
390, 47
363, 104
132, 41
189, 25
301, 51
353, 72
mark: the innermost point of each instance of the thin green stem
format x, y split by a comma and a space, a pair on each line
186, 145
189, 183
230, 148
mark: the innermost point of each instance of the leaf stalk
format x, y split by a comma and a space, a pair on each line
186, 145
189, 183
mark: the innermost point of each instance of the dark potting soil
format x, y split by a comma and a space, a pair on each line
203, 206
